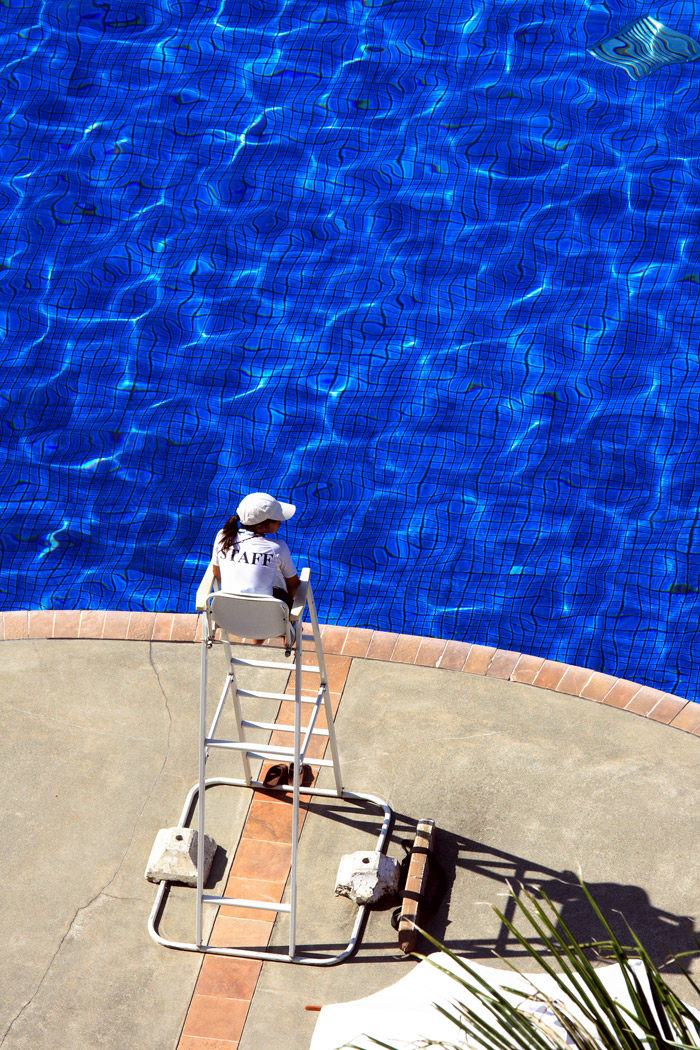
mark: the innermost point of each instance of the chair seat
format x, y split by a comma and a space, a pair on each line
251, 615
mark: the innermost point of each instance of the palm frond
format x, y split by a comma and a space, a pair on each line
654, 1017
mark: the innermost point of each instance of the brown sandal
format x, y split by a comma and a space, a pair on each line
307, 776
277, 776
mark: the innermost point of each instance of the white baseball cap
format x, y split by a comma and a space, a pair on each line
260, 506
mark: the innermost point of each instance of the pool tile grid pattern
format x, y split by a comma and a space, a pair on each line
260, 869
361, 643
481, 282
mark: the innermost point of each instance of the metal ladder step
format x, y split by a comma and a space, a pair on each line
275, 664
262, 750
277, 696
235, 902
282, 729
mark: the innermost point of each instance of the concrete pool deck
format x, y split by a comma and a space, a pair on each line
526, 783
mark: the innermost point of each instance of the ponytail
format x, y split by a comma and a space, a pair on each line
230, 534
231, 529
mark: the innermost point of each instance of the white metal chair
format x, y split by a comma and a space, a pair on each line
259, 616
252, 616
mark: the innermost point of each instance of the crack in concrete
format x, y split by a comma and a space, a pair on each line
167, 707
64, 938
101, 893
158, 774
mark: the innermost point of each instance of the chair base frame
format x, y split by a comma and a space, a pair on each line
303, 958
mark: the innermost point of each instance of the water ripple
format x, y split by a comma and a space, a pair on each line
430, 270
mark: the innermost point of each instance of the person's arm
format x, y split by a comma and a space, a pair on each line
292, 585
288, 569
215, 559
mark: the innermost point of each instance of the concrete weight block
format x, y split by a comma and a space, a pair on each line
367, 876
174, 856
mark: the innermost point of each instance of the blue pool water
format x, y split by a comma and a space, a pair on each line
426, 268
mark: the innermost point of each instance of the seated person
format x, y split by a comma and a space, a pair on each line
245, 561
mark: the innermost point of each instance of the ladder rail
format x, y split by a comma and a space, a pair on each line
311, 727
295, 792
219, 708
201, 790
239, 725
326, 692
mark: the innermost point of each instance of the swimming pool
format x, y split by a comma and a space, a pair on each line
429, 270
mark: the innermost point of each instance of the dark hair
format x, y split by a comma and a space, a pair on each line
230, 532
232, 527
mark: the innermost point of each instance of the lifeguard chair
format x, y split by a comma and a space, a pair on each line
255, 617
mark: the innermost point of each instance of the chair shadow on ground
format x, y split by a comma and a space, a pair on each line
662, 933
219, 866
625, 906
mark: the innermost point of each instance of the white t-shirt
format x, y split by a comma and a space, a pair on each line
254, 564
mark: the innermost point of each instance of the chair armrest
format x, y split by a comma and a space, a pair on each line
205, 588
300, 597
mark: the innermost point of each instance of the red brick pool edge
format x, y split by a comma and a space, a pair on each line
362, 643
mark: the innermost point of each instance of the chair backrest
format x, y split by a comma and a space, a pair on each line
251, 615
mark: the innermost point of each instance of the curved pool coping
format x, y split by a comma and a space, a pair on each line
362, 643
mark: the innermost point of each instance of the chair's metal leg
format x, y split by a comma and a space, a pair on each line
202, 793
333, 743
233, 685
298, 660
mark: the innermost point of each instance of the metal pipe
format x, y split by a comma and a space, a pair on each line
239, 725
201, 788
277, 727
275, 664
244, 953
250, 747
337, 775
274, 696
219, 707
296, 785
235, 902
310, 728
